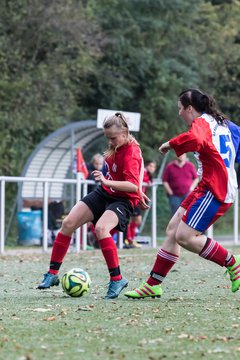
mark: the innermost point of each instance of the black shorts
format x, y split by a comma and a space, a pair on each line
136, 211
99, 201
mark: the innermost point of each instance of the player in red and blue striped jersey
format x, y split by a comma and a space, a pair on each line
216, 144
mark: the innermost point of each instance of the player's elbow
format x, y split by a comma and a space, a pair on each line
134, 188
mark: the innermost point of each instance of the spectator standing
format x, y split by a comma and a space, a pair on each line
179, 178
97, 163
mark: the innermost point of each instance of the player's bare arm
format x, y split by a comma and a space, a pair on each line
164, 148
144, 199
167, 188
114, 184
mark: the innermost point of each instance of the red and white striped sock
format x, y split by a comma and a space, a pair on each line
163, 264
213, 251
230, 260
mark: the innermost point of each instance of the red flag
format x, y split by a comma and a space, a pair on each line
81, 166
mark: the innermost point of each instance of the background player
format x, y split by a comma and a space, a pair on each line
136, 219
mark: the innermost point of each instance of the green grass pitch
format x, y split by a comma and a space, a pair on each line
197, 318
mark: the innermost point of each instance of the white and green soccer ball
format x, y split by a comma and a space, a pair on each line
76, 282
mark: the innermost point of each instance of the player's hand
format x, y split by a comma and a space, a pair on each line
143, 201
164, 148
98, 176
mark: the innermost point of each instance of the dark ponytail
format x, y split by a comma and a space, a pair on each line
202, 103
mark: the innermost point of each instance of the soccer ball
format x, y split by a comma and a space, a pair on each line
76, 282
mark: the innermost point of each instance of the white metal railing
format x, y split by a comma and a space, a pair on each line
81, 188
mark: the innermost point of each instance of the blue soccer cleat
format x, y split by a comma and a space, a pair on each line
115, 287
48, 281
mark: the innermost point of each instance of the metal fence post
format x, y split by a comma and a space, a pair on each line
84, 227
2, 217
120, 240
236, 218
210, 232
45, 216
154, 215
78, 197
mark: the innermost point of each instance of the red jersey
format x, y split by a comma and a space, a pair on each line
124, 165
216, 147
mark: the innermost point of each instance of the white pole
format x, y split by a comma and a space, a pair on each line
120, 240
236, 218
45, 216
210, 232
78, 197
84, 227
154, 215
2, 221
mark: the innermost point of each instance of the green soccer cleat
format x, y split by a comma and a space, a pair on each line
115, 287
234, 272
49, 280
145, 291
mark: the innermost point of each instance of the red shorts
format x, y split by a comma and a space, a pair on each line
202, 209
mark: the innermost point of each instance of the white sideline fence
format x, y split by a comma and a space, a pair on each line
81, 184
81, 188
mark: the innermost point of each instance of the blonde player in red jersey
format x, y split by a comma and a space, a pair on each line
216, 143
108, 207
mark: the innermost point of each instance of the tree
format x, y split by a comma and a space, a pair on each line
44, 47
62, 60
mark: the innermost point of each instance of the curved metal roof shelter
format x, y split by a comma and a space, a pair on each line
53, 158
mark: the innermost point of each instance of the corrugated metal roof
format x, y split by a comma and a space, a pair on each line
53, 158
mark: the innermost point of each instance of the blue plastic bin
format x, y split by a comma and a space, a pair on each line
30, 227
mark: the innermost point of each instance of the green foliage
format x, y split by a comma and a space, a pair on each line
43, 47
62, 60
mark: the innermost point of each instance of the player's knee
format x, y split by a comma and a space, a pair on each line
100, 230
68, 225
139, 222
